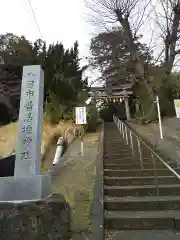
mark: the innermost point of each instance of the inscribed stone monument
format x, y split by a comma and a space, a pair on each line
28, 184
30, 122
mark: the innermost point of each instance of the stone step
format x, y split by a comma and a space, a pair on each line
117, 150
126, 160
118, 147
148, 203
137, 172
115, 142
136, 166
145, 190
118, 164
149, 180
127, 147
123, 157
111, 234
135, 159
141, 220
111, 140
118, 155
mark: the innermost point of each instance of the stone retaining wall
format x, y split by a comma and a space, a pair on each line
46, 219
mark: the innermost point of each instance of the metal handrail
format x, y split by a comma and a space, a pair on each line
122, 125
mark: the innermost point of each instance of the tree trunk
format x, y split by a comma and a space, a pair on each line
139, 65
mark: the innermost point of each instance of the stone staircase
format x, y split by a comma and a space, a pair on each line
135, 201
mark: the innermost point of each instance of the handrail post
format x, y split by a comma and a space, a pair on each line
123, 130
140, 153
137, 151
155, 174
121, 127
132, 146
126, 134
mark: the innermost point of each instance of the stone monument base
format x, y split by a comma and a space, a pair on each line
38, 220
25, 189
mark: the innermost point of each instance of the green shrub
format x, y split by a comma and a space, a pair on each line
55, 110
106, 114
92, 118
52, 113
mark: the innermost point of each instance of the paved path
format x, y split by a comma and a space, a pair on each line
74, 178
170, 145
74, 154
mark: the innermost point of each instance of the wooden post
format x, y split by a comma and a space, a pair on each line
128, 115
82, 140
159, 117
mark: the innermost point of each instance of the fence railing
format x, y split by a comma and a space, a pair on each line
142, 152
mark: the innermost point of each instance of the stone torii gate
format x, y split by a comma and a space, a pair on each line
117, 94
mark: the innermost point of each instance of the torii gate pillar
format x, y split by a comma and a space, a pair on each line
128, 115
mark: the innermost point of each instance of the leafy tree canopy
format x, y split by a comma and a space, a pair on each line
111, 55
64, 79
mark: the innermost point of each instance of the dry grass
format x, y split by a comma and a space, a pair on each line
111, 235
7, 139
49, 145
8, 136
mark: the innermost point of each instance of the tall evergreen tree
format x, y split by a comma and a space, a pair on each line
110, 54
63, 75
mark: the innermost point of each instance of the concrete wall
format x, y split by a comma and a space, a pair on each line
42, 220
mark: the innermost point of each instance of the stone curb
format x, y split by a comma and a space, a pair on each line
98, 201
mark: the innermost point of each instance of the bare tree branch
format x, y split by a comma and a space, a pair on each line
168, 22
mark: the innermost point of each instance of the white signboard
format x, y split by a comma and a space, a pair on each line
81, 115
30, 122
177, 107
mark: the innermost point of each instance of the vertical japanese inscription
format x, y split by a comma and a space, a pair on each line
27, 127
82, 114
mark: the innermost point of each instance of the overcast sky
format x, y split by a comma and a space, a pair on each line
59, 20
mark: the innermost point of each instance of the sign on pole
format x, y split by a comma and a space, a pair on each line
177, 107
81, 115
81, 120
